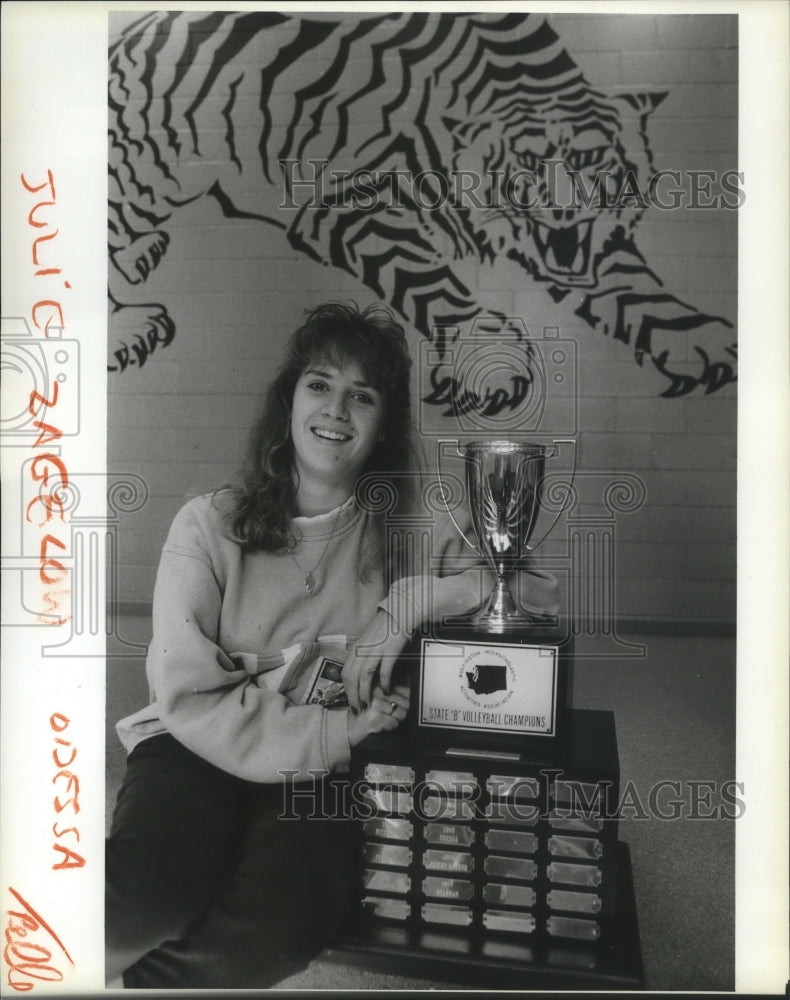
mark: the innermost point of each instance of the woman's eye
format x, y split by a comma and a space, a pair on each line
363, 397
317, 386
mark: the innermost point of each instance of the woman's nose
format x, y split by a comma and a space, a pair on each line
335, 406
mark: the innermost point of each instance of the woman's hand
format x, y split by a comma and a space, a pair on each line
375, 651
385, 712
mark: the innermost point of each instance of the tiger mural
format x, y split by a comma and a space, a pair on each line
310, 124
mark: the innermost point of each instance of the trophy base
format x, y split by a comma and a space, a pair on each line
442, 844
451, 956
487, 622
507, 689
500, 614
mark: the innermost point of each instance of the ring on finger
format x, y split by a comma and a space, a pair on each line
393, 706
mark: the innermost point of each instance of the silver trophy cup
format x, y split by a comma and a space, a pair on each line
503, 483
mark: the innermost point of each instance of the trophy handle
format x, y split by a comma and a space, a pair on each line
562, 482
445, 492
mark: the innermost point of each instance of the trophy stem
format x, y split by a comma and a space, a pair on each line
498, 613
500, 606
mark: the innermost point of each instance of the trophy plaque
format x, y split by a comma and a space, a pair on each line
489, 870
486, 833
499, 676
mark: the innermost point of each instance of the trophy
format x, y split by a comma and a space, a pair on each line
487, 842
503, 484
498, 676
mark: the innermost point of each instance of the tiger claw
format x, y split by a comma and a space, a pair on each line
138, 260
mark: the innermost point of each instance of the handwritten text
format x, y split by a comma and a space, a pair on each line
67, 800
28, 960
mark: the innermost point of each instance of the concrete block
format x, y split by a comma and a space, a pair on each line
710, 488
709, 100
582, 32
670, 451
618, 452
693, 31
715, 414
719, 65
650, 559
654, 416
713, 451
666, 488
602, 69
598, 414
691, 133
658, 66
711, 562
701, 524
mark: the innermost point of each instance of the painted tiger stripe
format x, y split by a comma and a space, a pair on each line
411, 30
243, 27
310, 35
326, 81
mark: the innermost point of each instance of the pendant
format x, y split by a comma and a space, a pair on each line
309, 584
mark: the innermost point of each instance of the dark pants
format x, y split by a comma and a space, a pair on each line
215, 882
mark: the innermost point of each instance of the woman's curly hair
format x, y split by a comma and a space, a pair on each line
264, 498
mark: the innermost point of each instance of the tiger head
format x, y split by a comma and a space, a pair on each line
557, 178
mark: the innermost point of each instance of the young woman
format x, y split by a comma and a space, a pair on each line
263, 590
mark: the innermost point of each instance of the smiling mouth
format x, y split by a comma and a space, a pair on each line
326, 435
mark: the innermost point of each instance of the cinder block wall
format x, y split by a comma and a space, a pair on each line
236, 288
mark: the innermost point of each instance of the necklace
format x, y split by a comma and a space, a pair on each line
309, 574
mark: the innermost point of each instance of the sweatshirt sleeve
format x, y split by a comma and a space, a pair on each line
210, 705
458, 580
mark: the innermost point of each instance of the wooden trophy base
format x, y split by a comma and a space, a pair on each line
493, 871
453, 956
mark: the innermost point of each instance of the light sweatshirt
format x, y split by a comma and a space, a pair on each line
236, 635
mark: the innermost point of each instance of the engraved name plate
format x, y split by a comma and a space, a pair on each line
572, 927
388, 800
575, 847
509, 895
382, 881
510, 867
449, 861
580, 793
591, 824
559, 871
398, 774
512, 840
509, 786
394, 909
449, 833
387, 854
454, 782
442, 913
513, 812
504, 920
388, 828
443, 807
579, 902
447, 888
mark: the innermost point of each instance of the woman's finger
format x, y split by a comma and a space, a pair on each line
390, 656
358, 676
368, 680
394, 705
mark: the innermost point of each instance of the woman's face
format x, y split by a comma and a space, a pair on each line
336, 418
